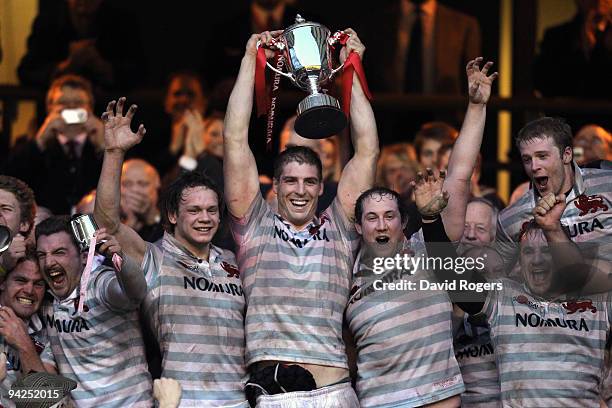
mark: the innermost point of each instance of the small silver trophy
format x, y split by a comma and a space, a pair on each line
5, 238
306, 48
83, 228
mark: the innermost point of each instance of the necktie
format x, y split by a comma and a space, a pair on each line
72, 150
413, 76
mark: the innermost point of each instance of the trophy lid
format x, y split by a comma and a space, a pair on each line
301, 22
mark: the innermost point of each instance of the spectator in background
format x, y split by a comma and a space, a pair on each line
397, 167
428, 141
480, 222
261, 15
428, 46
139, 195
80, 37
592, 143
575, 57
184, 107
330, 159
63, 163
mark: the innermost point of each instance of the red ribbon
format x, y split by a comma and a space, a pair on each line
352, 64
261, 95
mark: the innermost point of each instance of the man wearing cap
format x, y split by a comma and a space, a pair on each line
99, 345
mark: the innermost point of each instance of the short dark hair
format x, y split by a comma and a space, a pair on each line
555, 128
439, 131
24, 195
55, 224
380, 191
75, 82
30, 255
300, 155
172, 195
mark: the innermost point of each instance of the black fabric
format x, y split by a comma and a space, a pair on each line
58, 182
290, 377
439, 245
413, 77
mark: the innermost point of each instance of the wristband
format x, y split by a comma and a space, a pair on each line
430, 217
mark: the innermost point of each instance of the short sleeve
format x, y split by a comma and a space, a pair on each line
242, 228
151, 263
346, 227
491, 303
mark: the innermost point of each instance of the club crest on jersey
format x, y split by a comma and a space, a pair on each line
523, 300
314, 229
185, 265
573, 306
590, 204
232, 270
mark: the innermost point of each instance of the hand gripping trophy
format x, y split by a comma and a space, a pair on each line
306, 48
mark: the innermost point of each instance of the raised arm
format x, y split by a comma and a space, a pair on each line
239, 168
129, 287
359, 173
118, 139
430, 199
466, 148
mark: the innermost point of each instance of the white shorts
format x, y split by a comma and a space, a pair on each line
333, 396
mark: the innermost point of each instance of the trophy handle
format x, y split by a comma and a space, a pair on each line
339, 37
278, 46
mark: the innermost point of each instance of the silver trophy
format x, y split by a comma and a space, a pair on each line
306, 48
83, 228
5, 238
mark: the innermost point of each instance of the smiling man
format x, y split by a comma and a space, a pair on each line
296, 265
21, 332
194, 302
101, 347
545, 146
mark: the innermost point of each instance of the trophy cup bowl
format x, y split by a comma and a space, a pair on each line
306, 49
83, 228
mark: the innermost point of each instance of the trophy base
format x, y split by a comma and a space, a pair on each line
319, 116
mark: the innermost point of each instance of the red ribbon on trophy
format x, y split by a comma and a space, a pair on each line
305, 48
351, 65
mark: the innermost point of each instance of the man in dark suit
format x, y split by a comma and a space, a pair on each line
63, 163
575, 59
426, 47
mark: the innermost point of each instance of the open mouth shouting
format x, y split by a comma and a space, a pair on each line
382, 239
57, 277
541, 183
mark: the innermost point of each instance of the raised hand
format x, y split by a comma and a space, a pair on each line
13, 329
548, 211
353, 44
479, 84
266, 42
118, 135
428, 195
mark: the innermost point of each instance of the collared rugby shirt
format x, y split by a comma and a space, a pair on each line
404, 340
548, 353
102, 350
475, 354
296, 284
588, 218
196, 309
13, 365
